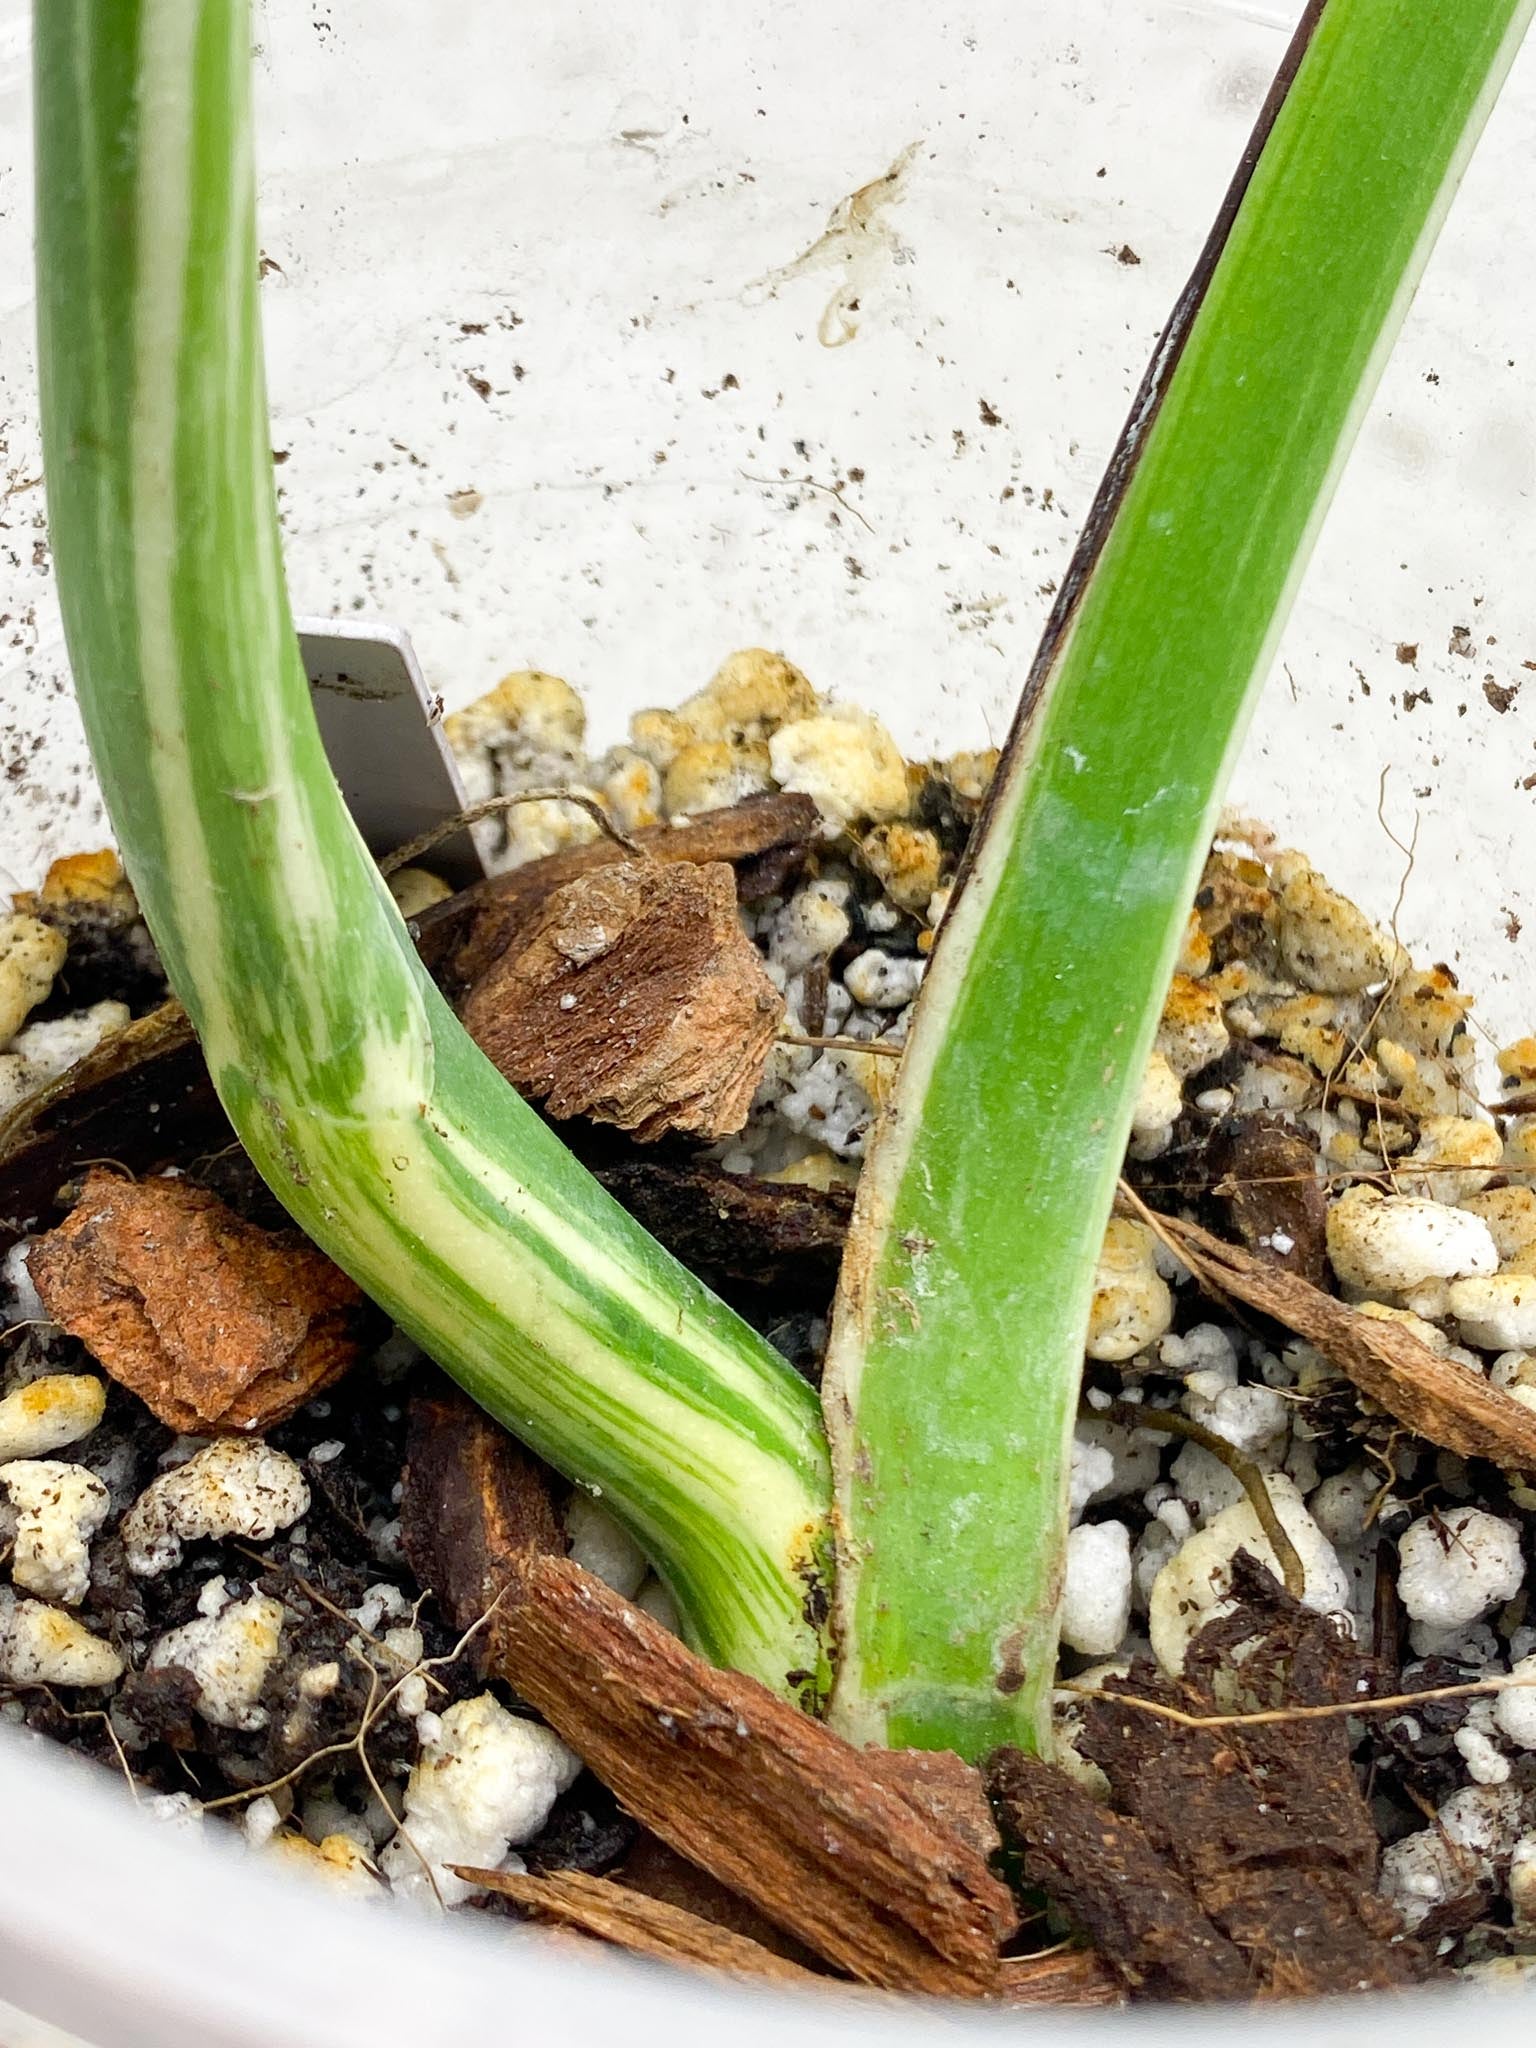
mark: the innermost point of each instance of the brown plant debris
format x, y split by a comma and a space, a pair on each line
1436, 1398
652, 1867
850, 1851
645, 1926
101, 1084
740, 1782
471, 1498
634, 997
1102, 1869
213, 1323
1273, 1200
1062, 1976
781, 1241
764, 836
1250, 1849
1266, 1822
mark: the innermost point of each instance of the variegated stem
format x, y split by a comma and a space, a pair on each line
958, 1339
379, 1125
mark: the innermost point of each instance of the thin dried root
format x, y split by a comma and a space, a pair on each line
413, 849
1330, 1710
1248, 1476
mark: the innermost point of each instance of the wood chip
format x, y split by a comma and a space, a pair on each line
1069, 1976
652, 1867
769, 1803
764, 836
471, 1497
645, 1926
1141, 1915
214, 1324
944, 1787
634, 997
767, 1800
1439, 1400
1265, 1823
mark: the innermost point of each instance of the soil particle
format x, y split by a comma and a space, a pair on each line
1500, 695
766, 1246
1273, 1200
588, 1831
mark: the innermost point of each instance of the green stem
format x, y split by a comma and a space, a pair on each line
378, 1124
958, 1338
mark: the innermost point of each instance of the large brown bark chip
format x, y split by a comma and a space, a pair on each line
471, 1498
1263, 1821
763, 837
767, 1800
215, 1324
1141, 1915
633, 997
873, 1860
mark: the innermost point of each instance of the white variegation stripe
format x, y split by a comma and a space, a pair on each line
332, 1060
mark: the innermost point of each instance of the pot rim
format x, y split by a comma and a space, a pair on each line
133, 1934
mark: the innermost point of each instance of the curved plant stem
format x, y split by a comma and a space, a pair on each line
374, 1119
958, 1338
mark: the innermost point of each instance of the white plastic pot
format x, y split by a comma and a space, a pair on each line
549, 303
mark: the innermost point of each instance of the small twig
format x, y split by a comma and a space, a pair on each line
1168, 1422
365, 1764
1331, 1710
890, 1052
31, 1323
126, 1171
491, 806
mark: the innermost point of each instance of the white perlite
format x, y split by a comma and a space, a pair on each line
1457, 1566
603, 1546
229, 1650
485, 1781
1096, 1607
55, 1510
1514, 1710
42, 1645
234, 1487
1132, 1306
1475, 1832
50, 1412
31, 954
1389, 1244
